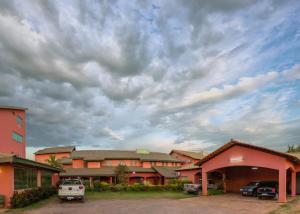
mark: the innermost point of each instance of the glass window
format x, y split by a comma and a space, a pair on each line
122, 163
19, 120
46, 179
17, 137
24, 178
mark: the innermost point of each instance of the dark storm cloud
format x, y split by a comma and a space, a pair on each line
119, 74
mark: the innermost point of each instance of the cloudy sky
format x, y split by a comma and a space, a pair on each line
153, 74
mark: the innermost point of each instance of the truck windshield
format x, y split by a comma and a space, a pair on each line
72, 182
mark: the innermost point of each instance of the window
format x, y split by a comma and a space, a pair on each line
108, 163
17, 137
122, 163
133, 163
24, 178
19, 120
46, 179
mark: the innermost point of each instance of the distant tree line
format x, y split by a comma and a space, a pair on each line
293, 148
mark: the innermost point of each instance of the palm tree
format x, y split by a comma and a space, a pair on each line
122, 174
52, 161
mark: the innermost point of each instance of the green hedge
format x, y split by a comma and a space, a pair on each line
27, 197
137, 187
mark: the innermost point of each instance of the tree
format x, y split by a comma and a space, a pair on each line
292, 148
52, 161
122, 174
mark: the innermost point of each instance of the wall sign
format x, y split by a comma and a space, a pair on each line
236, 159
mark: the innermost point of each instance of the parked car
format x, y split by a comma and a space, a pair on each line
268, 190
191, 188
251, 188
71, 189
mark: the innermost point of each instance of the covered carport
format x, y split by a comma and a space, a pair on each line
240, 163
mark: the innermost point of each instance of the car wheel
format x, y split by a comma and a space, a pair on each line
259, 197
254, 194
82, 200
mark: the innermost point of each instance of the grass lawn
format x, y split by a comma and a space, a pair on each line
135, 195
292, 207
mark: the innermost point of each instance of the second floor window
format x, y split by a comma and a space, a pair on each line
17, 137
19, 120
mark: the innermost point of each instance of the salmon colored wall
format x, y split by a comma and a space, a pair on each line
146, 165
237, 177
192, 175
44, 157
145, 176
78, 163
7, 182
7, 126
117, 162
93, 165
55, 179
67, 166
243, 156
247, 156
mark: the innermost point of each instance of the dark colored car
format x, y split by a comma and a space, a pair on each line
268, 190
251, 188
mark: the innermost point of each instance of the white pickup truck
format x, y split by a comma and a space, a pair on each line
71, 189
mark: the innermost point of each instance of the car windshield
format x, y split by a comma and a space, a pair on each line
72, 182
252, 184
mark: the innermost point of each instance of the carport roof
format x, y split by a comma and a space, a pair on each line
232, 143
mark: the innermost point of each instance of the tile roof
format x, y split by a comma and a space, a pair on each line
168, 172
13, 159
65, 160
103, 171
53, 150
13, 107
189, 167
232, 143
98, 155
194, 155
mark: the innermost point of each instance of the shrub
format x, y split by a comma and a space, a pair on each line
137, 187
27, 197
119, 188
103, 186
87, 186
96, 185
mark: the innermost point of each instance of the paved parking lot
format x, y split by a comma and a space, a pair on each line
219, 204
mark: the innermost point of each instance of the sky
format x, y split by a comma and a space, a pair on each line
157, 75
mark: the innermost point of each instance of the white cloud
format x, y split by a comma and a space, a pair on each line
113, 135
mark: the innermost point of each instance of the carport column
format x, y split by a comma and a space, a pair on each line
282, 186
224, 182
110, 180
293, 184
39, 178
204, 183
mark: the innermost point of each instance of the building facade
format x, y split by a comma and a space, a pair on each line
144, 167
16, 172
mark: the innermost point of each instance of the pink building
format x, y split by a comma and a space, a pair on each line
100, 165
16, 172
240, 163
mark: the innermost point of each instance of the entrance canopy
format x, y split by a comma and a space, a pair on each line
235, 154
